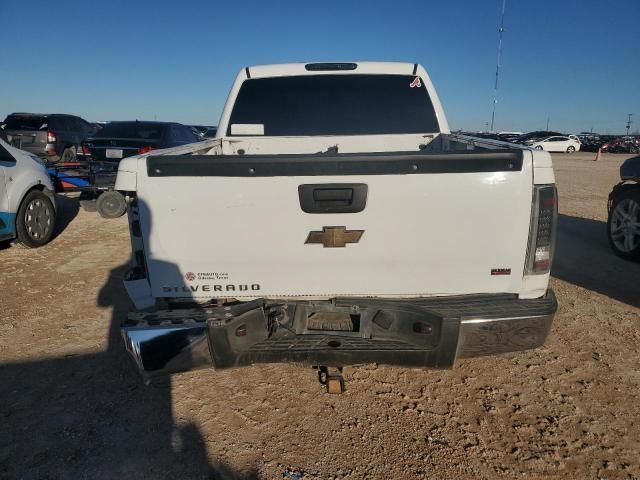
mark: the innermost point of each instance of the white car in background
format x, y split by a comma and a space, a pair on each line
569, 144
27, 200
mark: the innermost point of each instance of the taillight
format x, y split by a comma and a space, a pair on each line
51, 137
86, 150
543, 230
144, 150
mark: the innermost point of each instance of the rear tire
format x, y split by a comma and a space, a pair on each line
111, 204
571, 149
623, 225
35, 220
538, 147
68, 155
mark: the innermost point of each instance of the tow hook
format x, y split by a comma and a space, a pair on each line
332, 379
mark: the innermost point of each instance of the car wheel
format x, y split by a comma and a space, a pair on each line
623, 225
571, 149
68, 155
111, 204
35, 220
538, 147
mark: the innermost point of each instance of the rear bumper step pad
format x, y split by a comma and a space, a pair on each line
424, 332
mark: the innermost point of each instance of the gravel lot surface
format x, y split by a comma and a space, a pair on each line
72, 407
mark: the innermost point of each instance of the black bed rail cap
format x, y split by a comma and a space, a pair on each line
333, 165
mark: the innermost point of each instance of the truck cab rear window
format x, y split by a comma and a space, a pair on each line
335, 105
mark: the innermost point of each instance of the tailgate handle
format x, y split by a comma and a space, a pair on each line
338, 195
333, 197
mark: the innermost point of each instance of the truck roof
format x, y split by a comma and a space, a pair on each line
318, 68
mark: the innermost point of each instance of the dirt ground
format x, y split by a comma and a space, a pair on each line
71, 406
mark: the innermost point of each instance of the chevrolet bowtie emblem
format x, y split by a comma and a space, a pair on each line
334, 237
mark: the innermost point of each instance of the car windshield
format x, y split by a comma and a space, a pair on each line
23, 122
335, 105
137, 130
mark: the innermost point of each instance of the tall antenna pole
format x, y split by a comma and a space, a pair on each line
629, 122
495, 87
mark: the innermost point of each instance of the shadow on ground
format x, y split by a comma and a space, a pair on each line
584, 258
90, 416
67, 210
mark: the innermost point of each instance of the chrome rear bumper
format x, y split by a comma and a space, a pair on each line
427, 332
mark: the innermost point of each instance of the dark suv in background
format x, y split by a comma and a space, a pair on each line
54, 137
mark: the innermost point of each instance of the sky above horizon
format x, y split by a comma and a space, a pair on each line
574, 63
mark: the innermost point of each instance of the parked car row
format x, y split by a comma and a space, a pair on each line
81, 156
63, 138
622, 145
559, 142
592, 143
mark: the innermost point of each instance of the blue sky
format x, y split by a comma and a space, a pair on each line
574, 61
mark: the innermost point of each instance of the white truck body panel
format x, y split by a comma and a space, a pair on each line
258, 232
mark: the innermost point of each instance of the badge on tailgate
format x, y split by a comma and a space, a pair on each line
334, 237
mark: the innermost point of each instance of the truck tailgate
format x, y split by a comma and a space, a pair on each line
235, 226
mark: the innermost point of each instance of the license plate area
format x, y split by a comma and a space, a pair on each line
366, 320
113, 153
334, 322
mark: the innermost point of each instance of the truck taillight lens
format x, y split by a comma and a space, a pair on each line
51, 137
543, 229
86, 150
144, 150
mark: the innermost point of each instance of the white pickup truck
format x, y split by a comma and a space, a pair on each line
335, 220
